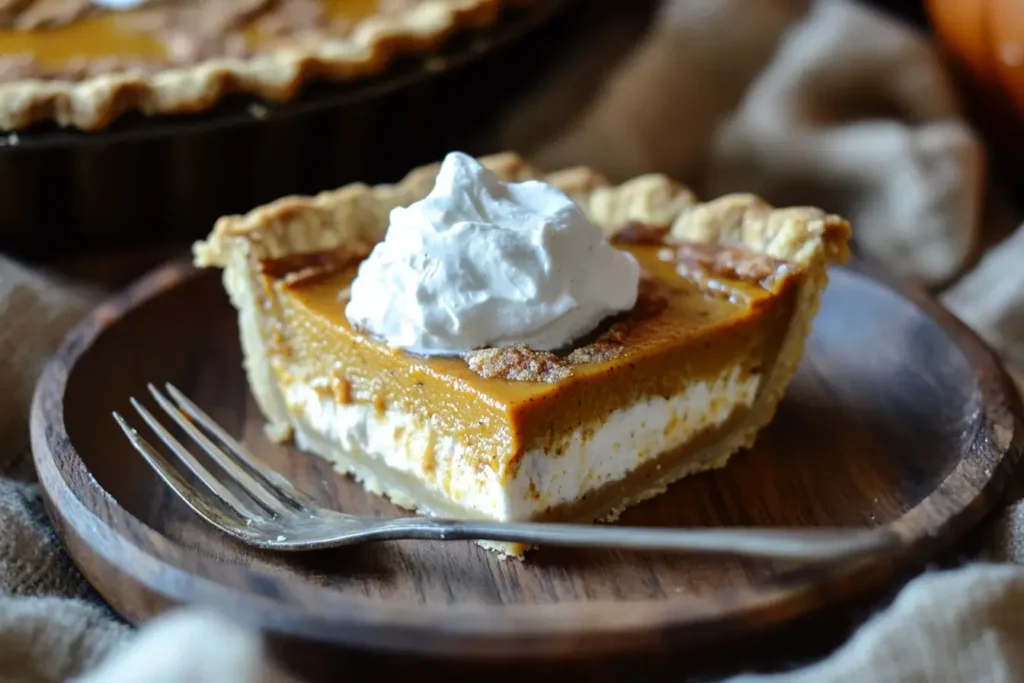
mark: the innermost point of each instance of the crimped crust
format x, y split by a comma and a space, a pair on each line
803, 236
277, 75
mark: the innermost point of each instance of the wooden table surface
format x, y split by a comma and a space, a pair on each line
781, 648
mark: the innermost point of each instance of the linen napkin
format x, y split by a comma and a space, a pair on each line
824, 103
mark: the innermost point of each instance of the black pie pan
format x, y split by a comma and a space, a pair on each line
160, 180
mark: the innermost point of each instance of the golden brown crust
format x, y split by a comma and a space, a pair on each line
295, 225
95, 102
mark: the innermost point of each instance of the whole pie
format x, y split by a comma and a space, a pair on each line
673, 386
84, 62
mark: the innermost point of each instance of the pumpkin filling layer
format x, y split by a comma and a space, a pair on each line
75, 39
512, 433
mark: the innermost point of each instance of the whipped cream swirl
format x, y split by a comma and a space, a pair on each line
484, 263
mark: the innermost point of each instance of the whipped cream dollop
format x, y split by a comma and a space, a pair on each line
484, 263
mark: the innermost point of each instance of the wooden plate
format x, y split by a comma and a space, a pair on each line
898, 416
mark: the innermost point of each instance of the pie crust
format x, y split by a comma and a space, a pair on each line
277, 74
806, 239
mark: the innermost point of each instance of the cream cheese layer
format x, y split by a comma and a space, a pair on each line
562, 473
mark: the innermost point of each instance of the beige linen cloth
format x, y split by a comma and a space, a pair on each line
822, 103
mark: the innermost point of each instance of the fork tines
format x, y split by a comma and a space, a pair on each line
266, 492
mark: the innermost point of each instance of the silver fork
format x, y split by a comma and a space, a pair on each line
276, 515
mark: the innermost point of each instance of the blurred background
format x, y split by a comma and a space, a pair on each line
902, 115
526, 79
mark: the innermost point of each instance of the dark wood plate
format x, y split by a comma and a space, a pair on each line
898, 416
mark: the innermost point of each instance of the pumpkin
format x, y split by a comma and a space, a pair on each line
986, 40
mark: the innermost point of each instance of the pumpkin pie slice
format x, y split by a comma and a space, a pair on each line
673, 386
83, 63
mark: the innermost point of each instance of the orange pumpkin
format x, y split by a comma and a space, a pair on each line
986, 38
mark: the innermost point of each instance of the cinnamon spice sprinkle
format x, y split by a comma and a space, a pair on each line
520, 363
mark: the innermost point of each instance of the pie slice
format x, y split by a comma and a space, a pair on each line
83, 63
674, 386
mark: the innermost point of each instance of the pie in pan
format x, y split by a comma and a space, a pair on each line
670, 386
82, 63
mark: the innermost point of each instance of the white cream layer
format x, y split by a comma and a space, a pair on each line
591, 458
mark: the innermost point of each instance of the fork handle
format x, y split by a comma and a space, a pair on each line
778, 544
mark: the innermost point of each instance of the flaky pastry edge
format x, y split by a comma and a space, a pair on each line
95, 102
804, 236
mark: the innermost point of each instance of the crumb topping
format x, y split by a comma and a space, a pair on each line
518, 363
598, 352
